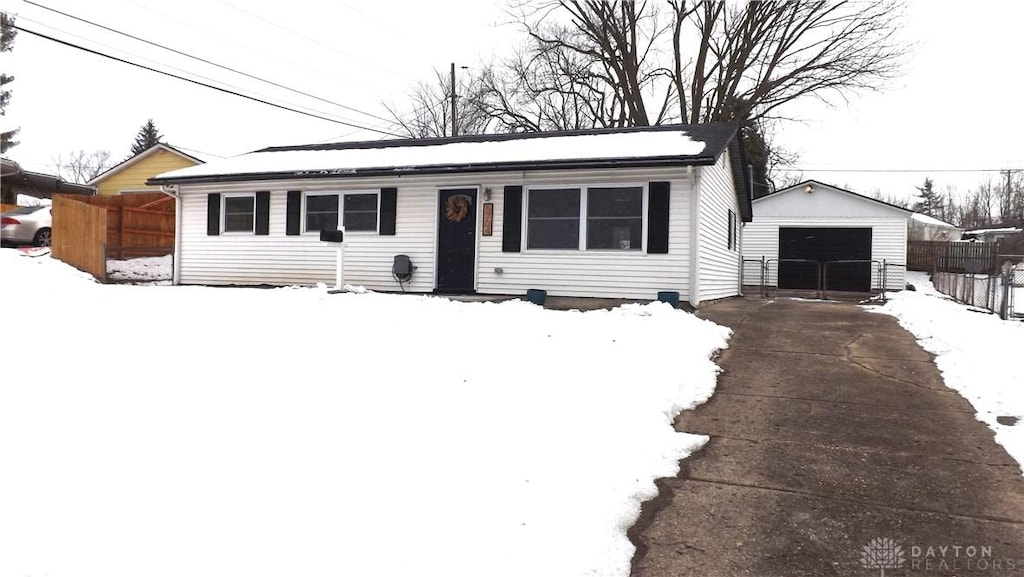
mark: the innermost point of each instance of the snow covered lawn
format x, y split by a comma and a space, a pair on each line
192, 431
978, 353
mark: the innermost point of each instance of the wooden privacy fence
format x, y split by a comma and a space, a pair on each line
133, 225
6, 207
79, 230
949, 256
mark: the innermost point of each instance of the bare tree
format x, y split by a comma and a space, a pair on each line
890, 198
80, 166
593, 63
429, 112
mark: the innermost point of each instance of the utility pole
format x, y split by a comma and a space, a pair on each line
455, 126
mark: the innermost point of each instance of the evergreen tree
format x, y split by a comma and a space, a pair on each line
7, 34
930, 200
146, 138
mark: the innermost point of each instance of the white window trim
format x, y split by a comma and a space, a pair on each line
224, 213
341, 211
582, 245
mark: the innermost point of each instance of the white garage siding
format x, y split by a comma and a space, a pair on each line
888, 243
280, 259
719, 265
826, 206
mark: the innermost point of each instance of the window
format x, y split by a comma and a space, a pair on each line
358, 211
321, 212
553, 218
732, 230
615, 218
240, 213
595, 218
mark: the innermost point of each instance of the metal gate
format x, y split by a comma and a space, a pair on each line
762, 275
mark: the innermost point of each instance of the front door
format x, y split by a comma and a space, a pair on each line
456, 240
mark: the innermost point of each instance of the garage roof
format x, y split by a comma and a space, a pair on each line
803, 185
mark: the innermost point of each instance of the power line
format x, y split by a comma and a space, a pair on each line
895, 170
162, 64
308, 39
203, 152
217, 88
248, 48
205, 61
108, 47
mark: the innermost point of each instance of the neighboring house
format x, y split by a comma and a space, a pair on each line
803, 231
625, 212
131, 174
991, 234
14, 181
924, 227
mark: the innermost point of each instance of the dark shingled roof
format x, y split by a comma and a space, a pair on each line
716, 136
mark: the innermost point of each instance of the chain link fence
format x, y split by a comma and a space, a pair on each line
1001, 293
761, 277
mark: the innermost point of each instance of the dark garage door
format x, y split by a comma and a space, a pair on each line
825, 245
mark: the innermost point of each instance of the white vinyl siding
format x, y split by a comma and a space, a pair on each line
719, 265
888, 243
825, 206
591, 273
279, 259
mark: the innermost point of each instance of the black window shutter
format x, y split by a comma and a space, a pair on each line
212, 214
657, 217
388, 211
293, 218
512, 220
263, 213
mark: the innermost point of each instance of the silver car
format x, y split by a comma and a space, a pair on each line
27, 225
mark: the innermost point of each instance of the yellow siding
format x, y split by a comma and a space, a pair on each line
134, 177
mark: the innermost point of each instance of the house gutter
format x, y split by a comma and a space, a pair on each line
434, 170
172, 191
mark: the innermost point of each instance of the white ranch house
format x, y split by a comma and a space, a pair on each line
621, 213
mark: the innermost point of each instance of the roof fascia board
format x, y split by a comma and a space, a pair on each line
803, 184
650, 162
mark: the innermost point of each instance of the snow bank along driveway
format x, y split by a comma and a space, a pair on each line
173, 431
978, 353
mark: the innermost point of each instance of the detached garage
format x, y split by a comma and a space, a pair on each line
814, 235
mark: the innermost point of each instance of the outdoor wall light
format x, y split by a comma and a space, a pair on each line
809, 189
487, 194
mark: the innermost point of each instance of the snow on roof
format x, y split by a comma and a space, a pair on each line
925, 219
492, 151
26, 200
1004, 230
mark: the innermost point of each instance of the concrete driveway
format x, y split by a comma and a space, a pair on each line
831, 428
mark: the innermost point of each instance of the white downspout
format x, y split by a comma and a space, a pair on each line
172, 191
694, 236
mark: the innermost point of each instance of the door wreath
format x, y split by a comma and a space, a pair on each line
456, 207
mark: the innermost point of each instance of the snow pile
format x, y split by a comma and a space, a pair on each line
26, 200
978, 354
246, 432
143, 269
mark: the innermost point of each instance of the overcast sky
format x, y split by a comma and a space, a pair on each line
956, 108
